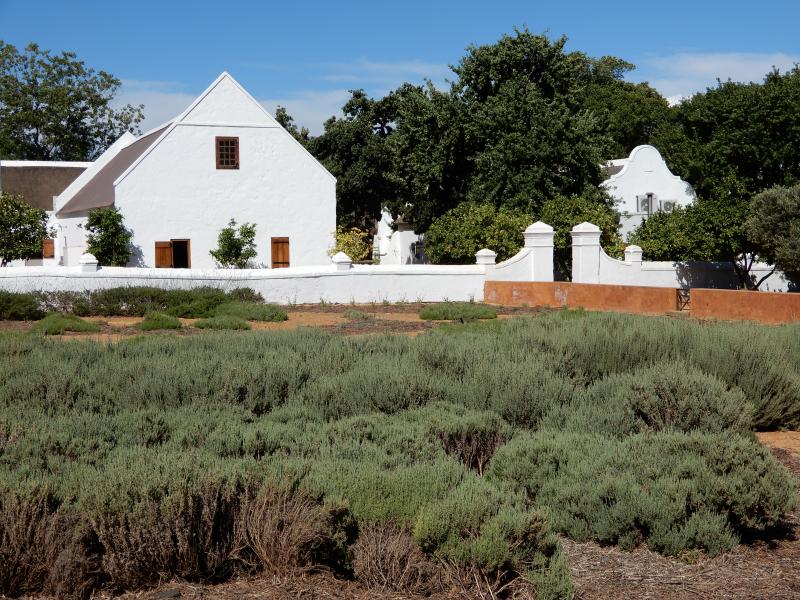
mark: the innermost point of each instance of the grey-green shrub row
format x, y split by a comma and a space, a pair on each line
623, 429
136, 301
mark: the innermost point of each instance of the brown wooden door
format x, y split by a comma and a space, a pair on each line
280, 252
164, 255
48, 248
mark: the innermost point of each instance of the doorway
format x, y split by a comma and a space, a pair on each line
174, 254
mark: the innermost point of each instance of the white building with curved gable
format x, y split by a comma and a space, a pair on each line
177, 186
642, 184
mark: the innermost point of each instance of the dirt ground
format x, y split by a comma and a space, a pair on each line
380, 318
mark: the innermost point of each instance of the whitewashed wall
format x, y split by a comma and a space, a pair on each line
359, 283
590, 264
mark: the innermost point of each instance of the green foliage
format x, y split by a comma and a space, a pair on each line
669, 395
774, 228
223, 322
639, 488
455, 311
19, 307
156, 320
235, 249
107, 238
459, 436
56, 324
286, 121
456, 236
54, 107
251, 311
563, 213
352, 241
136, 301
357, 315
23, 228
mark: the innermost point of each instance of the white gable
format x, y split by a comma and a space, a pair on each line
226, 102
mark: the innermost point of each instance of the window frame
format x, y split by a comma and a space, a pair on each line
222, 162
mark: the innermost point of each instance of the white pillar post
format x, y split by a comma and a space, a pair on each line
586, 253
633, 254
539, 238
341, 262
88, 263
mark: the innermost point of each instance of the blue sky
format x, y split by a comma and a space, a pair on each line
306, 55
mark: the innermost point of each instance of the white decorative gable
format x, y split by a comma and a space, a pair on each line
642, 184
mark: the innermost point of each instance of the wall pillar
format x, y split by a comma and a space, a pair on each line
341, 262
586, 253
633, 254
539, 238
88, 263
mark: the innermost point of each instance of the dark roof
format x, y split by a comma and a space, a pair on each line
38, 182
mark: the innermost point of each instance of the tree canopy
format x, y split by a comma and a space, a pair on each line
23, 229
54, 107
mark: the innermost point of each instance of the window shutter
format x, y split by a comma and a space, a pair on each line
280, 252
163, 255
48, 248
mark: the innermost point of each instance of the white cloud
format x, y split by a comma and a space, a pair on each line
162, 100
680, 75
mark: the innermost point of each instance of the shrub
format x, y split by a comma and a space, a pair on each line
252, 312
457, 235
774, 227
357, 315
155, 320
671, 395
107, 238
23, 229
56, 324
454, 311
222, 322
352, 241
674, 491
19, 307
235, 248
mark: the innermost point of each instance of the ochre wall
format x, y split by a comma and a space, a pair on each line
625, 298
740, 305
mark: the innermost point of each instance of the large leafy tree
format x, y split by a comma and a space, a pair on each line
23, 229
54, 107
354, 149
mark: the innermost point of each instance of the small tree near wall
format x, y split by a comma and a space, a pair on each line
236, 247
774, 228
23, 228
108, 240
352, 241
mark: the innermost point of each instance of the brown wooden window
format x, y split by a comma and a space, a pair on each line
280, 252
227, 152
174, 254
48, 248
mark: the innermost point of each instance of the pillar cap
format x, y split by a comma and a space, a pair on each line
586, 227
539, 227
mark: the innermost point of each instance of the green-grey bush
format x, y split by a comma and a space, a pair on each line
222, 322
251, 311
19, 307
154, 320
401, 429
672, 490
57, 323
670, 395
454, 311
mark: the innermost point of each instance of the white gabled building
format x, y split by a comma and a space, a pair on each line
642, 185
223, 158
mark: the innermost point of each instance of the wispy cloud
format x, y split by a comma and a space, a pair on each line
162, 100
310, 108
392, 73
680, 75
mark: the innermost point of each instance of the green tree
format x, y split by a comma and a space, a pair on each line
563, 213
774, 228
108, 239
456, 236
235, 248
286, 121
354, 149
54, 107
23, 229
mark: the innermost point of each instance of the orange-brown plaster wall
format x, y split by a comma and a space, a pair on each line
740, 305
624, 298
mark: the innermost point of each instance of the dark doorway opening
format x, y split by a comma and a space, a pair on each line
180, 254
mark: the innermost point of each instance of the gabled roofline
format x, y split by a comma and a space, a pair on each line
179, 120
84, 178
